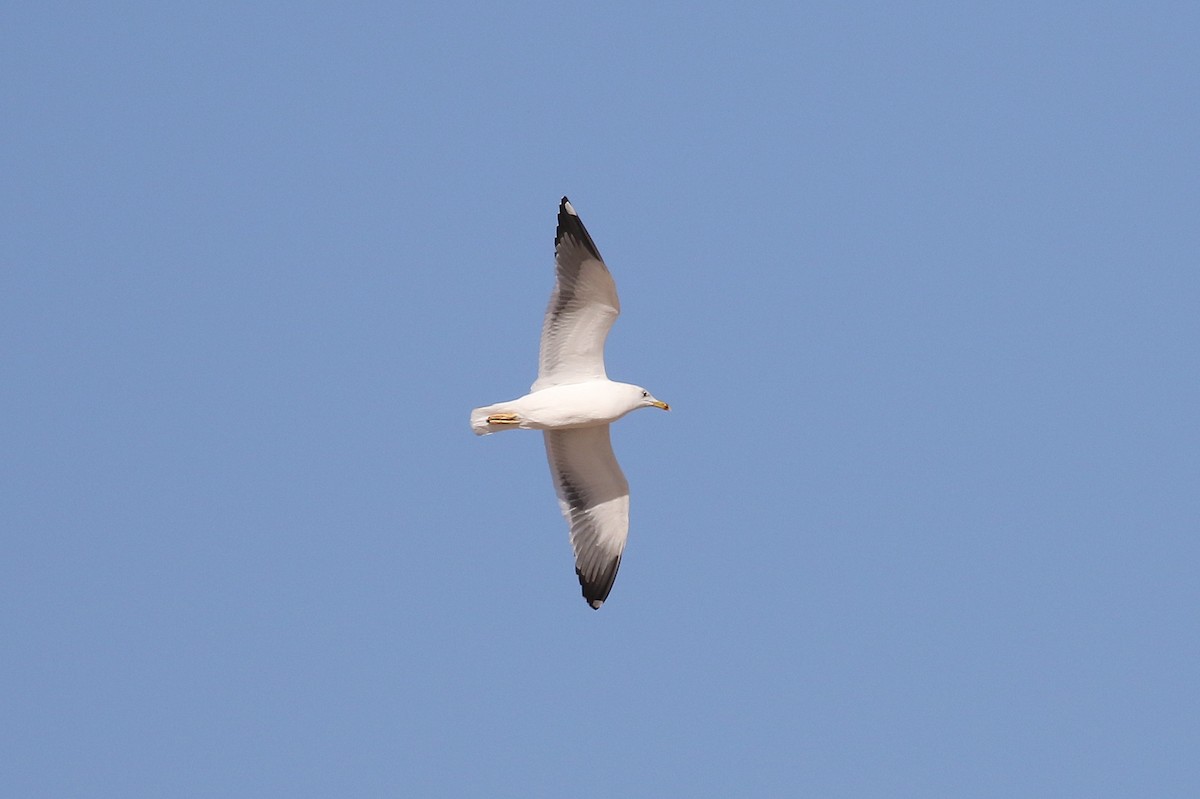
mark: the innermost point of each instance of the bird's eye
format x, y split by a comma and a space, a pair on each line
645, 393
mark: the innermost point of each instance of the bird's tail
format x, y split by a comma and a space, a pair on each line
479, 419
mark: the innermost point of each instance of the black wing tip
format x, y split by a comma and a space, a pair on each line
569, 224
597, 588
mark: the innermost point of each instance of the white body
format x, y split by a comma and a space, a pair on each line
565, 407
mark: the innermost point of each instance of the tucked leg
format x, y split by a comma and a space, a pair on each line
503, 418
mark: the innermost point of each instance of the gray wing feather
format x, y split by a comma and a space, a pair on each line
582, 307
594, 497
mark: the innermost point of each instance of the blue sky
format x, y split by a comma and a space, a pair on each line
920, 282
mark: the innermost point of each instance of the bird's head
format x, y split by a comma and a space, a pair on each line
648, 400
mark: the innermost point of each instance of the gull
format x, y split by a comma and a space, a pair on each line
573, 402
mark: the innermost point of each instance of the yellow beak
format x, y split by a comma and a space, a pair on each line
663, 405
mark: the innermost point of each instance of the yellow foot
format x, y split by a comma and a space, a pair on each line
503, 418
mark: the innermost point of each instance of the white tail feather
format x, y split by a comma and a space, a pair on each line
479, 422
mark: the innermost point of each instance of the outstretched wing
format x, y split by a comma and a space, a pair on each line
582, 307
594, 497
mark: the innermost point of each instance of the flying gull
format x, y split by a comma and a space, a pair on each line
573, 402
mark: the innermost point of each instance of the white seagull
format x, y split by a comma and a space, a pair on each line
574, 402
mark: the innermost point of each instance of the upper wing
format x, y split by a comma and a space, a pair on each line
582, 307
594, 498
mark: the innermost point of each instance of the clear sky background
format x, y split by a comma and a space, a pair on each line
921, 283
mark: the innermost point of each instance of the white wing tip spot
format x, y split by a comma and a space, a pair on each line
570, 209
596, 603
